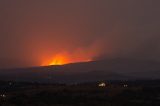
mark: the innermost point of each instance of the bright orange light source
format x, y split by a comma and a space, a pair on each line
63, 58
58, 60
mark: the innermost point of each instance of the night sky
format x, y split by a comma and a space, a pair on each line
34, 31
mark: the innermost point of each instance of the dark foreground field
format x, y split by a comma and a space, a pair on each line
117, 93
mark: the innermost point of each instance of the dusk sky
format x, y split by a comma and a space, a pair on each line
33, 32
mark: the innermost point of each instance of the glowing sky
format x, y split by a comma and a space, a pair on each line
35, 32
65, 58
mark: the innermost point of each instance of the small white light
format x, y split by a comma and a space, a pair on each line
102, 84
3, 95
125, 85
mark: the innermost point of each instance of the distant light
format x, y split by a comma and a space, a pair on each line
10, 83
3, 95
125, 85
102, 84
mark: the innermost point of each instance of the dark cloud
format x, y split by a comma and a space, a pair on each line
32, 30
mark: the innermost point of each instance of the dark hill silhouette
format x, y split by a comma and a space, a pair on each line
109, 69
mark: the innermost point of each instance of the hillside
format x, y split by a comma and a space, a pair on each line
111, 69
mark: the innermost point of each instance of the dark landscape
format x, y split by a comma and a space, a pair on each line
109, 69
115, 93
62, 86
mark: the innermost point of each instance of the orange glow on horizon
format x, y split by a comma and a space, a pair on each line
58, 60
61, 59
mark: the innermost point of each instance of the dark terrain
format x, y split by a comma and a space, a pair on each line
128, 82
115, 93
109, 69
